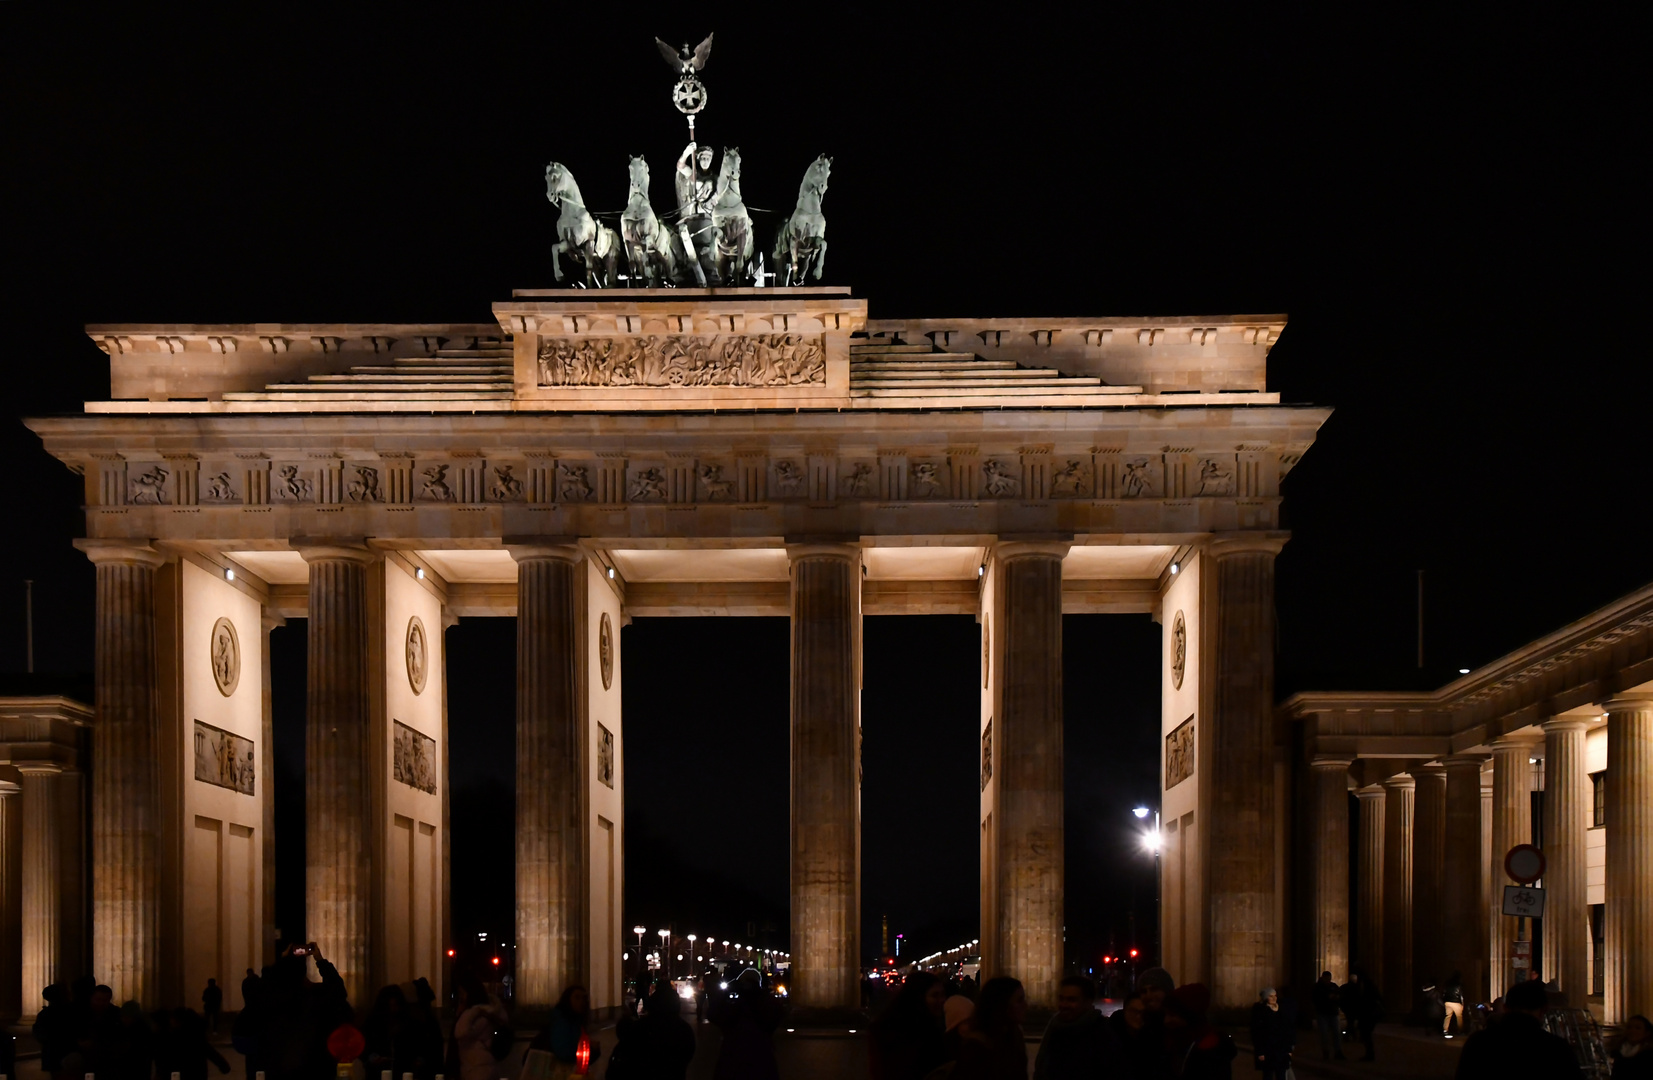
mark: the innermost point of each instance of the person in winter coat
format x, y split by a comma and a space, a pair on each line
478, 1015
1198, 1050
54, 1029
996, 1049
1633, 1058
1452, 1000
1141, 1048
1518, 1045
747, 1016
1273, 1035
909, 1040
1326, 1022
570, 1022
1078, 1042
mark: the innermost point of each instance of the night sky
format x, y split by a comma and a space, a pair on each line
1442, 208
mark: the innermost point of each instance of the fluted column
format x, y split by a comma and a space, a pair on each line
268, 621
550, 776
338, 792
1397, 893
125, 774
1240, 741
1329, 782
1463, 889
1428, 877
1629, 856
1567, 805
1370, 877
1028, 734
42, 882
1511, 825
826, 788
11, 895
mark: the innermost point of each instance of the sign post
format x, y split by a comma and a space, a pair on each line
1524, 864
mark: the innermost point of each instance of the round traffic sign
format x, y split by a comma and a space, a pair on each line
1524, 864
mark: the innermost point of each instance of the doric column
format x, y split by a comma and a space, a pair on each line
1511, 825
550, 774
42, 885
1028, 737
1240, 741
11, 895
1428, 876
268, 621
1370, 876
1329, 783
1567, 804
125, 774
1397, 894
1463, 888
1629, 856
338, 792
826, 790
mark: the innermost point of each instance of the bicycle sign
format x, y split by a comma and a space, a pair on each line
1524, 900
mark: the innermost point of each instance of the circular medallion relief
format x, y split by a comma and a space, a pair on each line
605, 650
1179, 650
226, 657
418, 655
986, 649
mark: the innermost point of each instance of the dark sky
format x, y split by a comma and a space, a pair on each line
1442, 207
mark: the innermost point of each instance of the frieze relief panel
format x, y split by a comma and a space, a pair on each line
763, 360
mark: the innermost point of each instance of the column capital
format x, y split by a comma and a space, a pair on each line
1329, 762
1401, 782
1007, 550
568, 553
11, 781
335, 551
1371, 791
1464, 761
1514, 742
1629, 701
1240, 543
1434, 772
842, 552
269, 620
1566, 723
121, 552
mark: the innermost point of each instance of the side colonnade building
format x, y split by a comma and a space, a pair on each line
588, 457
1550, 745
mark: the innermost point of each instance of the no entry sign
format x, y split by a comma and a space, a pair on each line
1524, 864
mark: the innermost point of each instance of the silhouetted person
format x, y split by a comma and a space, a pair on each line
660, 1044
96, 1032
297, 1015
212, 1004
244, 1029
185, 1048
1633, 1058
385, 1032
1273, 1035
424, 1032
1363, 1005
1077, 1042
1326, 1022
477, 1015
908, 1040
996, 1049
1518, 1045
54, 1029
747, 1016
1198, 1050
570, 1021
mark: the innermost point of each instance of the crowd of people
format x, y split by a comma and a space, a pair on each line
80, 1031
1161, 1032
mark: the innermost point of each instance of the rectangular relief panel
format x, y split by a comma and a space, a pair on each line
413, 758
224, 758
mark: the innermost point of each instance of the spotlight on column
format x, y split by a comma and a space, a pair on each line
1463, 671
1174, 568
229, 574
611, 573
981, 570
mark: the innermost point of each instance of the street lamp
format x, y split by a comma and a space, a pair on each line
665, 943
692, 938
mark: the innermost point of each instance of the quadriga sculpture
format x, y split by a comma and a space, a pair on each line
801, 244
649, 251
731, 224
595, 247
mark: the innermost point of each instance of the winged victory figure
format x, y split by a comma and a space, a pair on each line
685, 62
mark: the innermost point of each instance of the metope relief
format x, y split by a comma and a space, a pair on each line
226, 656
418, 655
790, 479
765, 360
414, 758
1216, 478
987, 753
1000, 479
859, 480
1179, 754
433, 484
716, 486
289, 486
223, 758
219, 488
1138, 477
605, 754
1071, 479
505, 486
364, 484
148, 488
925, 480
573, 483
649, 484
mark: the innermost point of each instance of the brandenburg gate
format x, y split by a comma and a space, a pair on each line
590, 456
